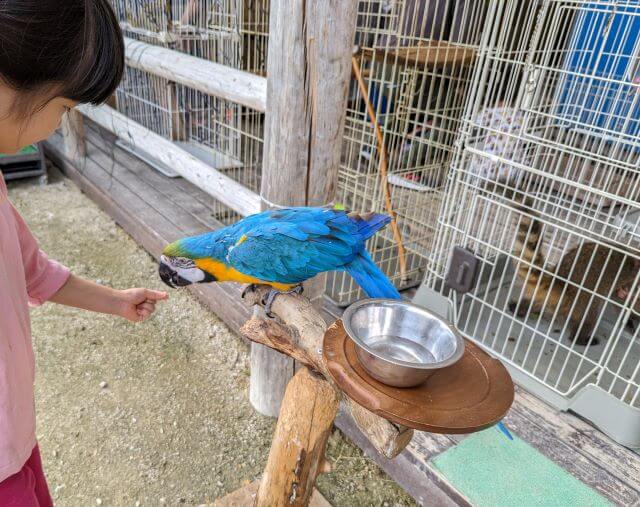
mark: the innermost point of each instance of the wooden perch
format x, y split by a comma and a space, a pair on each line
426, 54
300, 334
296, 458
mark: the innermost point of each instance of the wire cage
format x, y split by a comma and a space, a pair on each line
227, 136
414, 65
416, 60
544, 192
230, 32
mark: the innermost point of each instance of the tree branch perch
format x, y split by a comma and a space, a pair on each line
300, 334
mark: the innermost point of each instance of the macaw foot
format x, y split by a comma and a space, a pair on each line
267, 302
249, 288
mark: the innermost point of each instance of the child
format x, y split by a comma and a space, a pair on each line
53, 55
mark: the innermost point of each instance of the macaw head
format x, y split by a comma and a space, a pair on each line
179, 264
181, 271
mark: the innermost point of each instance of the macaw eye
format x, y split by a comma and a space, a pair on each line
182, 262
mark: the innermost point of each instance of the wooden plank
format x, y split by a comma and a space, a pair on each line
186, 222
220, 186
184, 199
211, 78
176, 190
426, 54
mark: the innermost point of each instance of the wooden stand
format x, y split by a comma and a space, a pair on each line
311, 400
308, 410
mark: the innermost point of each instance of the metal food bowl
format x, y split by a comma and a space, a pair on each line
401, 344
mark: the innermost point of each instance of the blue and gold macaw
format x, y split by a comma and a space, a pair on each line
281, 248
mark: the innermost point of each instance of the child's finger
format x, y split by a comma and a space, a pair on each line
155, 295
150, 307
143, 314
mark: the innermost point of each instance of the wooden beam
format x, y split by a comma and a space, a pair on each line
310, 46
226, 190
302, 336
211, 78
297, 451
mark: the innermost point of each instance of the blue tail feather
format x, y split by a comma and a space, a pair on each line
368, 225
370, 278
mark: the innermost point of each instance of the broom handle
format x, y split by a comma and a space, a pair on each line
402, 256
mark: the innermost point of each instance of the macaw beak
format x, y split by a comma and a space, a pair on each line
171, 276
180, 272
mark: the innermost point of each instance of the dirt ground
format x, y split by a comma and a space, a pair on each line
155, 413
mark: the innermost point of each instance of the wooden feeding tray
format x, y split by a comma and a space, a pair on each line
426, 54
473, 394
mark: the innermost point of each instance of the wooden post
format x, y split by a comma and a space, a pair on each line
178, 127
297, 450
72, 128
308, 73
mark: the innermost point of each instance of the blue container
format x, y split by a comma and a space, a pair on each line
601, 92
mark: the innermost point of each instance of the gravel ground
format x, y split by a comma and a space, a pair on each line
157, 412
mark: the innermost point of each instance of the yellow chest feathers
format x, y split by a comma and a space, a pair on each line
224, 273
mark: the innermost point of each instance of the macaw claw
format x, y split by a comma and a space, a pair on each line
267, 302
249, 288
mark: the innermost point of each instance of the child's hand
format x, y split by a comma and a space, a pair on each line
137, 305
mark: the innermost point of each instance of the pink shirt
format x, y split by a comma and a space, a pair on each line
27, 276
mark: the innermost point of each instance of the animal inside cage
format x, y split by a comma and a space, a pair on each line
415, 61
544, 190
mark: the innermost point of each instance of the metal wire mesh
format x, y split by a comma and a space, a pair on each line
544, 190
227, 136
416, 58
231, 32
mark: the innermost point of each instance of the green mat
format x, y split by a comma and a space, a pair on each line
491, 470
24, 151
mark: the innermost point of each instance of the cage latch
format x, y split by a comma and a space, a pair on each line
463, 270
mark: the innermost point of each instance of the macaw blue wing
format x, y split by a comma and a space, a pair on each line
291, 245
293, 251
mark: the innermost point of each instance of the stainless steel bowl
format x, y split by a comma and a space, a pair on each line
401, 344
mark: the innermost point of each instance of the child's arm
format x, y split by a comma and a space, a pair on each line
135, 305
48, 280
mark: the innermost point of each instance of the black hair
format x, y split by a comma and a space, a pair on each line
68, 48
